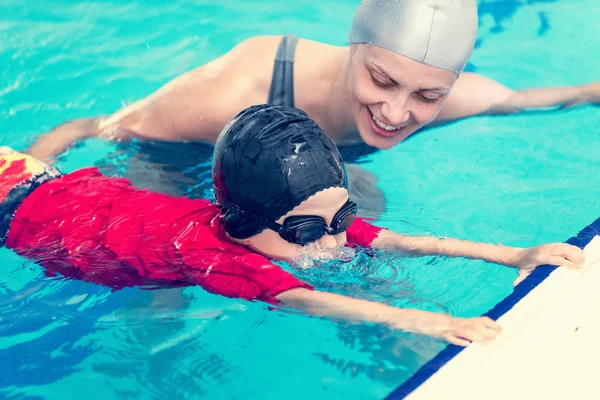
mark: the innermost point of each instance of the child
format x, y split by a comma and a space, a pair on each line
280, 185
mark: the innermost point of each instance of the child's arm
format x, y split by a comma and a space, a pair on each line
554, 254
364, 234
254, 277
458, 331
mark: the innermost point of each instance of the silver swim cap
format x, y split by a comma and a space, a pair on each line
440, 33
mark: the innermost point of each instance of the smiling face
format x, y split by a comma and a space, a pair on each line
392, 96
325, 204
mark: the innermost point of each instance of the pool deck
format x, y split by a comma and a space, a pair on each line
548, 348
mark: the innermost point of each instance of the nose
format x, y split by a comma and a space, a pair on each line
396, 110
328, 242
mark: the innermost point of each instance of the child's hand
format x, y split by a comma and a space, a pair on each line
458, 331
463, 331
559, 254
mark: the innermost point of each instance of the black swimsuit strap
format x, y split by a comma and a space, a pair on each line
282, 84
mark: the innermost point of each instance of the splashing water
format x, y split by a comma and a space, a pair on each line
314, 254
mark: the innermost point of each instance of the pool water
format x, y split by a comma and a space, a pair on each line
519, 180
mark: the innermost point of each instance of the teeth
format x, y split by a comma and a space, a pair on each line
385, 126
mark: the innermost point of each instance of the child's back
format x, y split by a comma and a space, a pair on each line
102, 229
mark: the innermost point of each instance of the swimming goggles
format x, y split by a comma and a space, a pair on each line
305, 229
302, 229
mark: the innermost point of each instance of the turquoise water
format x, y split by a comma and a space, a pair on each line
520, 180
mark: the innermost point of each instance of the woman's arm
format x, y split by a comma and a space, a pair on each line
458, 331
59, 139
475, 94
194, 106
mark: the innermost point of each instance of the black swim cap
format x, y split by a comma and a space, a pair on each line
268, 160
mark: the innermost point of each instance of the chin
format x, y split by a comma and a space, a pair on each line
383, 143
377, 140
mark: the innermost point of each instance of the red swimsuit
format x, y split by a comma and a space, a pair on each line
103, 230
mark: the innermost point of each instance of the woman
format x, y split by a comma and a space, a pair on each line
402, 71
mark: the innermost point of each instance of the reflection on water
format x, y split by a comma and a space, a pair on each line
175, 168
503, 10
41, 326
160, 344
